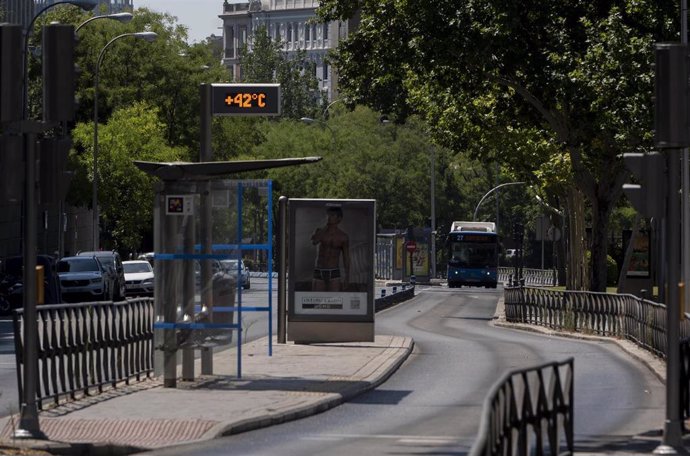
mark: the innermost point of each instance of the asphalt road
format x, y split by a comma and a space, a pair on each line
433, 403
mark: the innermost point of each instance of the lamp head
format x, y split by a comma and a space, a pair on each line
306, 119
121, 17
148, 36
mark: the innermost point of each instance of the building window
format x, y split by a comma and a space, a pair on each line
326, 70
325, 31
242, 38
307, 29
229, 42
277, 30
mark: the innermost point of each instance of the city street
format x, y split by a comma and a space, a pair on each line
432, 405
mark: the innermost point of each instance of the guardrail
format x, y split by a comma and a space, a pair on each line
526, 407
531, 277
84, 347
389, 300
605, 314
641, 321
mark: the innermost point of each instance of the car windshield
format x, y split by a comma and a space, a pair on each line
131, 268
78, 265
230, 265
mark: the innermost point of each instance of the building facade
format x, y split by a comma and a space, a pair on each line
22, 11
289, 21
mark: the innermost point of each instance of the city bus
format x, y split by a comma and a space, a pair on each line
472, 254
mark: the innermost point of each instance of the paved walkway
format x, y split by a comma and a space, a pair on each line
297, 381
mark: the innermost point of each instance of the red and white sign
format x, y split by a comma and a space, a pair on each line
411, 246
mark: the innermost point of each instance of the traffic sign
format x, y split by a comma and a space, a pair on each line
411, 246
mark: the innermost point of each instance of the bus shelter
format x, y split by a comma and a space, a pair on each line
202, 219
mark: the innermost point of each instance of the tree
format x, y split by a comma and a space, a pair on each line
363, 158
125, 193
166, 73
266, 62
577, 72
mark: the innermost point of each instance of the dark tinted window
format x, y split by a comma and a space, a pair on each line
78, 265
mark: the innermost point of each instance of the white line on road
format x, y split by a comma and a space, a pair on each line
407, 439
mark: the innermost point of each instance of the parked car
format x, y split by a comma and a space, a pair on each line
138, 278
11, 286
113, 264
231, 269
216, 268
85, 278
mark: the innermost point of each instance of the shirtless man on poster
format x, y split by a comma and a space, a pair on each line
332, 242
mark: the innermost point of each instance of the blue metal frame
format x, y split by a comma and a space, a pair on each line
268, 247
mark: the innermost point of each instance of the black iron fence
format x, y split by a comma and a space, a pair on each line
529, 412
530, 276
605, 314
84, 347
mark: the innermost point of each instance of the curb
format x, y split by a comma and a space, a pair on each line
380, 375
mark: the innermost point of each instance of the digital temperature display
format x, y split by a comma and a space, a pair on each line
246, 99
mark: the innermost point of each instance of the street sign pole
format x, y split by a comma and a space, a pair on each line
672, 442
411, 248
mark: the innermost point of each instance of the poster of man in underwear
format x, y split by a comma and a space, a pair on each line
331, 256
332, 244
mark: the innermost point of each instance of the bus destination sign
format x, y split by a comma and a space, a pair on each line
464, 237
245, 99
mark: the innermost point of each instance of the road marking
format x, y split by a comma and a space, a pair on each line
406, 439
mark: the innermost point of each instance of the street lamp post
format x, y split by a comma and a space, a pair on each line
148, 36
28, 426
474, 218
433, 212
120, 17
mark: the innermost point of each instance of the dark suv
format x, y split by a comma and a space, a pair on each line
113, 263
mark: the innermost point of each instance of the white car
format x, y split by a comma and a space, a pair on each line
138, 278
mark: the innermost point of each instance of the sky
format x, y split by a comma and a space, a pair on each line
200, 16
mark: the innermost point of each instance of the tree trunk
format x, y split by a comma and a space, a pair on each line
601, 211
577, 274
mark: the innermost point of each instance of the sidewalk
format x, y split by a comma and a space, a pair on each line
297, 381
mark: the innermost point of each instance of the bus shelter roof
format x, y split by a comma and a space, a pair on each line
173, 171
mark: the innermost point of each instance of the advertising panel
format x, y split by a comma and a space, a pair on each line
331, 260
640, 257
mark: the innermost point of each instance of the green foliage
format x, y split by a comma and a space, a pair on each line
363, 158
166, 73
532, 78
125, 194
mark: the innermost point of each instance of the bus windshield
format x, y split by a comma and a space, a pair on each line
473, 255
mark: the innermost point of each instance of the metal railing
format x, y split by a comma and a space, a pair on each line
638, 320
84, 347
529, 412
605, 314
531, 277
